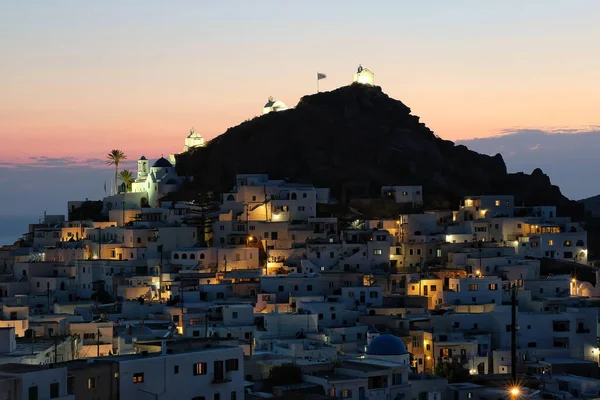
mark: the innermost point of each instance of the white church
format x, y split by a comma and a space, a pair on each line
161, 178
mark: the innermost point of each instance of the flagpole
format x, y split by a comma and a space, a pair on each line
317, 82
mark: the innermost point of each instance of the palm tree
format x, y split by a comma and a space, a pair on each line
126, 177
114, 158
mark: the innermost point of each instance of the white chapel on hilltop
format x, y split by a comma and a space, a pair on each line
194, 139
364, 76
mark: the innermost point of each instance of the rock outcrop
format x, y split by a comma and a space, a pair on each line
354, 140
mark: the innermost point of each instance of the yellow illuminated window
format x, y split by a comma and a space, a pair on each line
550, 242
497, 203
138, 378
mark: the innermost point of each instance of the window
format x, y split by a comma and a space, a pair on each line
217, 396
550, 242
219, 374
497, 202
199, 398
138, 377
176, 369
232, 365
532, 344
473, 287
54, 390
493, 286
411, 252
373, 295
309, 288
200, 369
92, 383
346, 394
33, 393
320, 316
331, 254
418, 252
253, 198
274, 235
377, 252
281, 288
433, 288
300, 208
192, 256
89, 336
233, 395
333, 316
234, 315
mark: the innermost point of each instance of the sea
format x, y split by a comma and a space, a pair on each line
12, 227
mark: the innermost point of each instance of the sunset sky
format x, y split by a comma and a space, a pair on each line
80, 78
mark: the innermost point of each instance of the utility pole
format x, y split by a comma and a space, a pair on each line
160, 249
48, 294
55, 349
181, 301
98, 342
513, 334
99, 244
433, 349
205, 324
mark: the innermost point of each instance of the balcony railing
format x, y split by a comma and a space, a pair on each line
221, 378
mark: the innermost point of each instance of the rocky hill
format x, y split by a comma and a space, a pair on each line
592, 205
354, 140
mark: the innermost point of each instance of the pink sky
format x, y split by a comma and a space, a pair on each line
78, 79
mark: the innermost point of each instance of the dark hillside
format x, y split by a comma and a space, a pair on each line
354, 140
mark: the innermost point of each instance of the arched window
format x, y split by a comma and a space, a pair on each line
184, 256
230, 198
192, 256
294, 196
202, 256
176, 256
567, 243
580, 243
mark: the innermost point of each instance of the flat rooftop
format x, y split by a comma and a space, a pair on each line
15, 368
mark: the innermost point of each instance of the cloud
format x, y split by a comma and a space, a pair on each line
33, 162
568, 155
53, 161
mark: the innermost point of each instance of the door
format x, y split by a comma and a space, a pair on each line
425, 290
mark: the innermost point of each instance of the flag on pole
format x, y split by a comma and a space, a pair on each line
321, 75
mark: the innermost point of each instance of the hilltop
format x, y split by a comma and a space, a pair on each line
354, 140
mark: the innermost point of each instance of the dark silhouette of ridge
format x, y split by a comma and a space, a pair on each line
354, 140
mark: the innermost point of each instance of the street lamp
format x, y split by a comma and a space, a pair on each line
514, 392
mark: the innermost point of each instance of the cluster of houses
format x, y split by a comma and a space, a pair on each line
165, 299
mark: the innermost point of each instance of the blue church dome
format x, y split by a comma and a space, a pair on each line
162, 163
386, 345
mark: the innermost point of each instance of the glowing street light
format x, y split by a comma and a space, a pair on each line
514, 392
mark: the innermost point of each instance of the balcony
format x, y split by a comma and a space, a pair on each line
221, 378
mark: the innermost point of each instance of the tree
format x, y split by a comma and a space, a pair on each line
126, 177
452, 372
114, 158
284, 374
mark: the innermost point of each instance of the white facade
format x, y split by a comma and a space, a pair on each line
188, 375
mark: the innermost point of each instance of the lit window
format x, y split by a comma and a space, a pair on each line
92, 383
138, 377
473, 287
200, 369
497, 203
377, 252
550, 242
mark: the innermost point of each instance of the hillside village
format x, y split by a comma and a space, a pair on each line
262, 292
